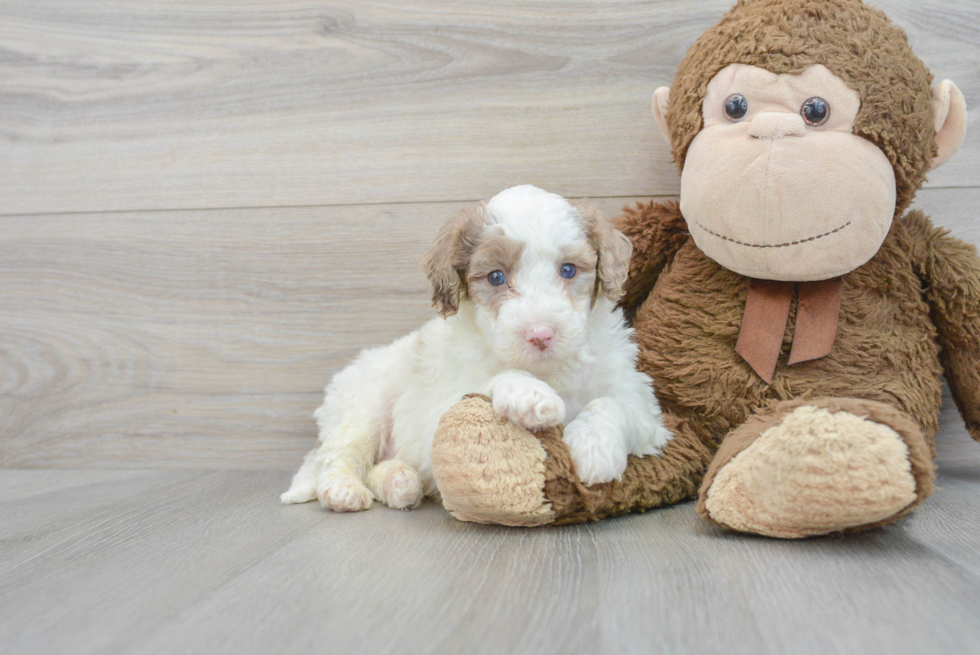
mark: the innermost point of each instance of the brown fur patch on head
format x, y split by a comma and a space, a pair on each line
493, 253
584, 284
613, 247
856, 42
446, 262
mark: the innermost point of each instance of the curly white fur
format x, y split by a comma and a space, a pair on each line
380, 413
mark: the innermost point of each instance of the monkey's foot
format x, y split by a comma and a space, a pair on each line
488, 470
816, 467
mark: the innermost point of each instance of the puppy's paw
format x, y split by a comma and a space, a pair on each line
342, 492
597, 447
396, 484
528, 402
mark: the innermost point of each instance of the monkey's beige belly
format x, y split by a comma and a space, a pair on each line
885, 350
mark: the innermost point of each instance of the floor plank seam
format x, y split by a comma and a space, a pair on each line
222, 208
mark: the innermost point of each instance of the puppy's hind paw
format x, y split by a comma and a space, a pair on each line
343, 492
396, 484
529, 403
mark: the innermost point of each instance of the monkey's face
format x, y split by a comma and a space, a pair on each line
776, 185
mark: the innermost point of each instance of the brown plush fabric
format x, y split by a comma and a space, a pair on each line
856, 42
490, 471
487, 469
838, 508
657, 231
886, 347
950, 272
647, 482
816, 473
906, 316
884, 366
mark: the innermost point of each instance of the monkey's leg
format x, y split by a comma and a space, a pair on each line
813, 467
490, 471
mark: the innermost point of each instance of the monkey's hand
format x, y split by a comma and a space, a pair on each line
950, 270
657, 231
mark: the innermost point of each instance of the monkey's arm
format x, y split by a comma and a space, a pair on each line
951, 270
657, 231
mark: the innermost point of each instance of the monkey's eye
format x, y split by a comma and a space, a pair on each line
567, 271
815, 111
496, 278
736, 107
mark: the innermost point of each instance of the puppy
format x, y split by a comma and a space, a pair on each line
527, 285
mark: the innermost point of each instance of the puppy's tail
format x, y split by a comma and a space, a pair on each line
303, 487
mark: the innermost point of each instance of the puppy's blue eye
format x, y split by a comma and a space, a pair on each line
567, 271
497, 278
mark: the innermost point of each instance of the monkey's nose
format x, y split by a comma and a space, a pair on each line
775, 124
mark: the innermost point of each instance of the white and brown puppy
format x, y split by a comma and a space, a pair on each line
527, 285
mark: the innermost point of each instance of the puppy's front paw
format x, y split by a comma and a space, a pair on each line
597, 447
342, 492
528, 402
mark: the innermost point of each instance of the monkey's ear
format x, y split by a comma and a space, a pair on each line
661, 100
949, 108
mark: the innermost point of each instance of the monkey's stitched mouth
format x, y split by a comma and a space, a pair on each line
773, 245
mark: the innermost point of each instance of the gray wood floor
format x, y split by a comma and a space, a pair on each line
207, 207
174, 561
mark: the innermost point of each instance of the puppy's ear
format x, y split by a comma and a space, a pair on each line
614, 248
446, 261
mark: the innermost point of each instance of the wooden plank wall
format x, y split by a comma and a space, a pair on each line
206, 208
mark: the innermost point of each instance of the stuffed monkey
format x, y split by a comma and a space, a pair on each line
794, 315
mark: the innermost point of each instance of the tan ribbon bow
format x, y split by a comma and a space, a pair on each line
764, 321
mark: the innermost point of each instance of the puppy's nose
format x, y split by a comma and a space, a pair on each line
539, 336
776, 124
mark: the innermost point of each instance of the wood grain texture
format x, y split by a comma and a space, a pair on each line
204, 339
150, 320
195, 339
209, 562
128, 105
716, 591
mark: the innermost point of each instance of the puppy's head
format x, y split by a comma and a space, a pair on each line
531, 267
